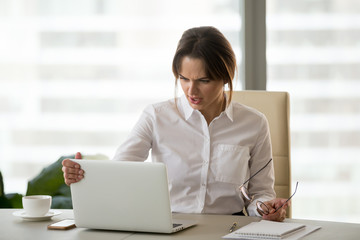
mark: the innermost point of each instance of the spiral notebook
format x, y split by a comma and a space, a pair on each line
271, 230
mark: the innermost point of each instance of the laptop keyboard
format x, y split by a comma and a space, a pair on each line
176, 225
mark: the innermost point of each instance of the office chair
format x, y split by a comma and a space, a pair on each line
275, 106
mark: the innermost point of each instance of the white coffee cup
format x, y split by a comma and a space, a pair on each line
36, 205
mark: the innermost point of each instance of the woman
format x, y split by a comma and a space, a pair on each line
209, 144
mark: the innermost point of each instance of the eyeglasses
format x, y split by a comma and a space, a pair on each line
262, 208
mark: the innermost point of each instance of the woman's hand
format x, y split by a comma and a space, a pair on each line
274, 204
72, 171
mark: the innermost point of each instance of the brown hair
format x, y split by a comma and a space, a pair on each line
209, 45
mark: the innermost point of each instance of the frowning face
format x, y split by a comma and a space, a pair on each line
203, 94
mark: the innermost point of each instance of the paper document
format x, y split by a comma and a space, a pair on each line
271, 230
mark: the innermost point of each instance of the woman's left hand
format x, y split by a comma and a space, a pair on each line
280, 214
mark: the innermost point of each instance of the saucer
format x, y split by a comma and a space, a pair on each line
47, 216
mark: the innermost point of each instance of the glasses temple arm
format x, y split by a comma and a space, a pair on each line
288, 198
258, 171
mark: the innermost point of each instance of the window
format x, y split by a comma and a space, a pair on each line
313, 53
76, 74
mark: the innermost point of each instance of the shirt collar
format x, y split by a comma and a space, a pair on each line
188, 110
229, 111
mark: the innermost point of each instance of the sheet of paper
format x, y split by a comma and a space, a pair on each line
307, 230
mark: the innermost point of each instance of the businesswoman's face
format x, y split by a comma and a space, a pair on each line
203, 94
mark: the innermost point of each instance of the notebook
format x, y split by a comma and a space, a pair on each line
267, 230
126, 196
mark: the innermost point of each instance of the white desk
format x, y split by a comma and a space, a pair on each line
209, 227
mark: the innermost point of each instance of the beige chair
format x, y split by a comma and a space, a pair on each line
275, 106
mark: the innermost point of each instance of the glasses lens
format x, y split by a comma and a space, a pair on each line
262, 208
245, 193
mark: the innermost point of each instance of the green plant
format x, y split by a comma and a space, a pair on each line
49, 181
4, 202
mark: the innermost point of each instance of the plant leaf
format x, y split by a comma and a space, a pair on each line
15, 200
49, 180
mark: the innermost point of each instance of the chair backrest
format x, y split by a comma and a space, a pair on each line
275, 106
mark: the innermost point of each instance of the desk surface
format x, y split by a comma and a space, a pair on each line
209, 227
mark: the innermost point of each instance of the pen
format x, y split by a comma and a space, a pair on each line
232, 227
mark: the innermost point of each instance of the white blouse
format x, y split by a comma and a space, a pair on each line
205, 163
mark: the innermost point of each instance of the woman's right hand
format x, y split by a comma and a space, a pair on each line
72, 171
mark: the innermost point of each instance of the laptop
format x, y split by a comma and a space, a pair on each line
125, 196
